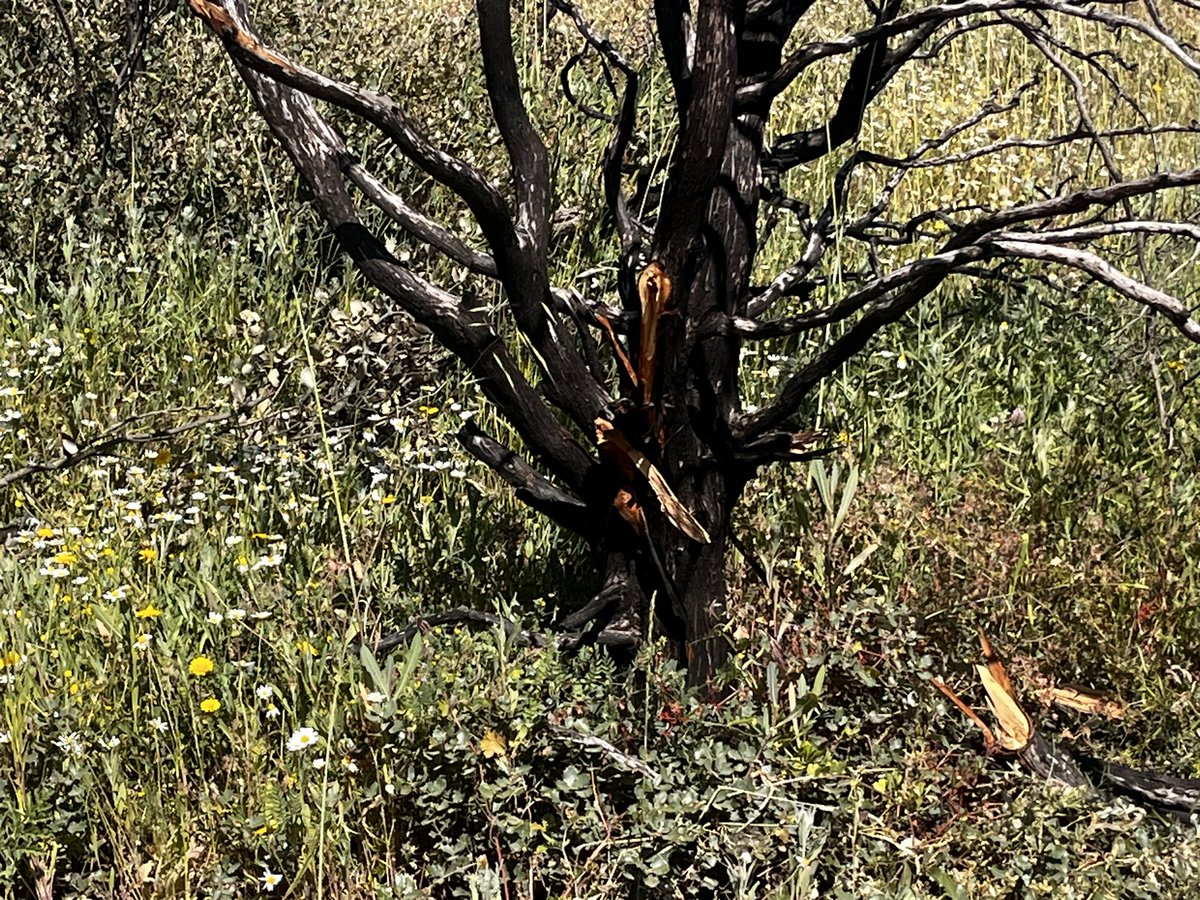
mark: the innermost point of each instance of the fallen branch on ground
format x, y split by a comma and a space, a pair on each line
1017, 733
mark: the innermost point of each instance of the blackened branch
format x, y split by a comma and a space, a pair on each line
873, 67
319, 155
629, 228
822, 234
531, 487
227, 19
564, 79
526, 150
890, 297
940, 14
416, 223
523, 264
677, 37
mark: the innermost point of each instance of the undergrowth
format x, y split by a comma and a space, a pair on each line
186, 709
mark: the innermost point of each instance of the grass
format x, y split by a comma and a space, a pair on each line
465, 765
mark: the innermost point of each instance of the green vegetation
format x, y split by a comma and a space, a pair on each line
184, 707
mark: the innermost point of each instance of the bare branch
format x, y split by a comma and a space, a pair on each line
318, 154
628, 760
530, 166
628, 227
1108, 229
380, 110
120, 435
564, 79
1170, 307
1078, 201
677, 36
531, 486
872, 69
523, 266
911, 283
576, 305
1058, 140
823, 236
417, 224
939, 14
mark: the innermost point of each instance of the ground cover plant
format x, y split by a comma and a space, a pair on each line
270, 478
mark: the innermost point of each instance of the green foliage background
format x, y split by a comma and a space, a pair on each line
180, 271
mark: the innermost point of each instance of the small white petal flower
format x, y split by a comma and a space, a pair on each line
302, 739
270, 880
264, 692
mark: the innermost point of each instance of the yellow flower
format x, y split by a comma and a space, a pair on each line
149, 611
65, 558
210, 705
201, 665
388, 500
45, 532
427, 410
492, 744
11, 658
148, 554
306, 647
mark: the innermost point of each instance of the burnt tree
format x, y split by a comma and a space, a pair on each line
634, 424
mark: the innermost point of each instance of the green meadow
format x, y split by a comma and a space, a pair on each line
269, 483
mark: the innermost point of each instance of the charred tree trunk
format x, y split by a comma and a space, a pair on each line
712, 246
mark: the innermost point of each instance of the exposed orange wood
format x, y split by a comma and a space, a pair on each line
988, 737
654, 289
222, 23
608, 435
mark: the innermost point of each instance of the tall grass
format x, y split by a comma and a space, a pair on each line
184, 707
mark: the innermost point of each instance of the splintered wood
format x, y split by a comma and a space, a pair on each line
1015, 729
654, 291
1179, 797
629, 456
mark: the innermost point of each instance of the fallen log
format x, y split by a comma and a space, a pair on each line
1016, 732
